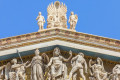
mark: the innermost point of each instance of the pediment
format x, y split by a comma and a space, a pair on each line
47, 40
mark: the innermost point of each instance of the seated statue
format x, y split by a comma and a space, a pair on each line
58, 69
97, 70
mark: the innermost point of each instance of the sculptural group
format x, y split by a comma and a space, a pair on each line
55, 68
57, 17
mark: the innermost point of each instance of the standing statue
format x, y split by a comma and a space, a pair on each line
115, 73
58, 69
97, 71
77, 64
41, 21
1, 69
73, 21
17, 71
38, 66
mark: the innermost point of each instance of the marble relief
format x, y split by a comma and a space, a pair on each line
43, 67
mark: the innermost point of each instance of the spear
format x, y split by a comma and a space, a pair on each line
19, 55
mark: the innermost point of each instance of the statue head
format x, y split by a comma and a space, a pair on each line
80, 53
37, 52
56, 52
98, 60
14, 61
72, 13
39, 13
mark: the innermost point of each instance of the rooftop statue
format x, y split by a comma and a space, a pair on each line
73, 21
57, 15
41, 21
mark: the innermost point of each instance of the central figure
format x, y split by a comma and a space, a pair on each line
58, 69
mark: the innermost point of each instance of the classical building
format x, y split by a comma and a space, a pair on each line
59, 53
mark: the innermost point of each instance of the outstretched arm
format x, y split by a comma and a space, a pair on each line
66, 60
17, 66
74, 58
29, 63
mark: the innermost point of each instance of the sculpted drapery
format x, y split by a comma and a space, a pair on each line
37, 66
56, 68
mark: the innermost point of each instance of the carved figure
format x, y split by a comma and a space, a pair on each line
97, 70
73, 21
57, 15
17, 71
38, 66
41, 21
115, 73
1, 70
77, 64
58, 69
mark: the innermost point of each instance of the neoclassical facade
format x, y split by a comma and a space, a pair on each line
59, 52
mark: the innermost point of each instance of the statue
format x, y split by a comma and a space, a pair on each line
77, 65
97, 71
38, 66
17, 71
57, 15
73, 21
41, 21
115, 73
58, 69
1, 69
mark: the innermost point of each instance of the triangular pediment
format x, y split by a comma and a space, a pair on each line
46, 40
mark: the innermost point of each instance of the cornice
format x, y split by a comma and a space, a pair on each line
60, 34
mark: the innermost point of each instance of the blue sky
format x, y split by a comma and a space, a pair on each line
97, 17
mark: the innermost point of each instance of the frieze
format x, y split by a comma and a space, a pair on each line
91, 62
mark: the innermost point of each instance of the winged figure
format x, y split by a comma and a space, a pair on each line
73, 20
